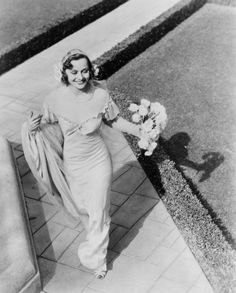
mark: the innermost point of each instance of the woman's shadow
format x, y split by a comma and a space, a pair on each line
177, 147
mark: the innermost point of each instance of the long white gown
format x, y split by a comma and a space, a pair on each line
80, 172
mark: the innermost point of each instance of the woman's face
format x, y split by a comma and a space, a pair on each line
79, 75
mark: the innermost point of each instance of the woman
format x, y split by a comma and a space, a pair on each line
68, 155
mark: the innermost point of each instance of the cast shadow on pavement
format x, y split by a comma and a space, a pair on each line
43, 238
133, 221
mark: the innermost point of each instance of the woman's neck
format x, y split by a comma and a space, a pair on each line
83, 94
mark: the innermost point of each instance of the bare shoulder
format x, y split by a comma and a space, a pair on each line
101, 92
54, 95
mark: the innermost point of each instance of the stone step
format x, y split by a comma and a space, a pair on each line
18, 264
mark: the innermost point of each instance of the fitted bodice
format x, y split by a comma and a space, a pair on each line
83, 116
80, 122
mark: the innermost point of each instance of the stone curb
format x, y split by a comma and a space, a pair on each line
19, 267
22, 51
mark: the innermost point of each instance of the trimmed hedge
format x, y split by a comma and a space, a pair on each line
212, 247
205, 239
123, 52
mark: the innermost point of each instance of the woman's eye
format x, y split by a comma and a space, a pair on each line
73, 72
85, 71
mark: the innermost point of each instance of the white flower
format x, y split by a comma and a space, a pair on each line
58, 72
153, 134
95, 70
143, 110
156, 107
136, 117
145, 103
150, 149
143, 143
147, 125
133, 107
161, 120
152, 146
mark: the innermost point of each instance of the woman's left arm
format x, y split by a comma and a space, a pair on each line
113, 119
126, 126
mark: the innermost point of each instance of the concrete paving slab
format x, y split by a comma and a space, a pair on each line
118, 198
158, 213
60, 244
184, 269
122, 156
132, 210
58, 278
164, 285
70, 258
113, 209
129, 181
201, 285
39, 213
135, 279
62, 219
45, 198
170, 239
147, 189
162, 257
4, 100
119, 169
179, 245
89, 290
45, 235
23, 166
150, 234
116, 235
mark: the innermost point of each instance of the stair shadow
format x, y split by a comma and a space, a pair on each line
47, 266
124, 239
36, 216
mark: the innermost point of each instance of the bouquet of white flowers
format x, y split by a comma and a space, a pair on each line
152, 119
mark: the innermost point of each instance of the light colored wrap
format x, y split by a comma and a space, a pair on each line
43, 151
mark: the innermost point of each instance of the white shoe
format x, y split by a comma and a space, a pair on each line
101, 272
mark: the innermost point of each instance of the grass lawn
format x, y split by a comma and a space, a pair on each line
28, 27
192, 72
24, 19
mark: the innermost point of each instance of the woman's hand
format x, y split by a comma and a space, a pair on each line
34, 121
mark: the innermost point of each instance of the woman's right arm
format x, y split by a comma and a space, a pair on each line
34, 121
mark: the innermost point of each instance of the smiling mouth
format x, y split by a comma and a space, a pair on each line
80, 82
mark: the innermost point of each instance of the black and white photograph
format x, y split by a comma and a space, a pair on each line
118, 146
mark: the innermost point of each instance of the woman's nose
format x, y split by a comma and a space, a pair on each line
79, 76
